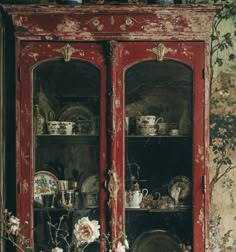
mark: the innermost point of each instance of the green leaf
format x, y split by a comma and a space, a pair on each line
219, 61
214, 37
28, 249
231, 56
227, 35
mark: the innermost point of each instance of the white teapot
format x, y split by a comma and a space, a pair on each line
134, 198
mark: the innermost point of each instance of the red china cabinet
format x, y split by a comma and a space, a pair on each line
112, 122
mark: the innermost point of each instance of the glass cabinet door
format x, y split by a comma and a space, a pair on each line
152, 164
161, 115
68, 126
158, 161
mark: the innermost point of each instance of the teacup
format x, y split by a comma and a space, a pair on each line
174, 132
144, 121
162, 127
151, 200
146, 125
134, 198
166, 202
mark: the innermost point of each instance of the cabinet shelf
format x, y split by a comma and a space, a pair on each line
158, 139
158, 210
158, 136
146, 210
50, 209
52, 139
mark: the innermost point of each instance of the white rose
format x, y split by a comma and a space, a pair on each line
13, 225
13, 230
86, 231
120, 247
57, 250
14, 221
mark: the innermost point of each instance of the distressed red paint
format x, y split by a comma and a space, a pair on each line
38, 29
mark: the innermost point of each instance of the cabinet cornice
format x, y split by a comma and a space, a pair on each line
84, 22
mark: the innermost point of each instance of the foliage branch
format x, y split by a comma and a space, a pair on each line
223, 119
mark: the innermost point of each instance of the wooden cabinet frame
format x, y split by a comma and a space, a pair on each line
112, 26
2, 120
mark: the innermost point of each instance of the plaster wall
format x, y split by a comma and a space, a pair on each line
223, 200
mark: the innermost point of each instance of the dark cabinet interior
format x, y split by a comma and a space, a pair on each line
65, 92
156, 163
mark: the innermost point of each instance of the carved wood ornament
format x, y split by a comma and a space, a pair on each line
113, 185
112, 47
160, 51
66, 52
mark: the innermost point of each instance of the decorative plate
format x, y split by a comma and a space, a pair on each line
181, 183
91, 184
44, 183
74, 113
83, 118
151, 240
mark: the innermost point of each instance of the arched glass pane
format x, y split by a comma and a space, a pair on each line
158, 167
66, 132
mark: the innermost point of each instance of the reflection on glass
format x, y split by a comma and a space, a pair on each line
66, 128
158, 168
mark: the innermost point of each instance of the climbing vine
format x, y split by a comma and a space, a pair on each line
222, 120
223, 117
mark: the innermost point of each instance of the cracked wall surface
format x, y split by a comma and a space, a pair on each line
223, 191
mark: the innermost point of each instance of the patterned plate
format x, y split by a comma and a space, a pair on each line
44, 183
83, 118
181, 183
74, 113
91, 184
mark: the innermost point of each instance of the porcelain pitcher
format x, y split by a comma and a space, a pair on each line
134, 198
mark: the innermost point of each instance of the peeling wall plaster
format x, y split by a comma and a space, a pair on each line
223, 202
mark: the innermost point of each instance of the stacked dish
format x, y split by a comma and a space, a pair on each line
90, 191
45, 188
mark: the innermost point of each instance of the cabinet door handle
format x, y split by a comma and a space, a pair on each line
19, 74
204, 187
111, 92
105, 184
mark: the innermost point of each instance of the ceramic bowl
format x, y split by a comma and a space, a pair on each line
147, 131
53, 127
60, 128
66, 128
